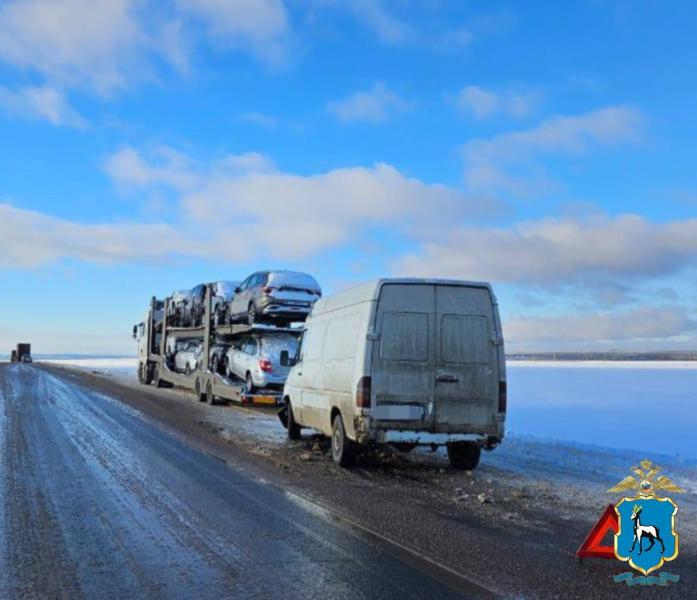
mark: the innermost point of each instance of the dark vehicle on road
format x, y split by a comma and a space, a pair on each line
280, 296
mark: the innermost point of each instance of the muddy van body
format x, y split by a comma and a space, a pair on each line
404, 362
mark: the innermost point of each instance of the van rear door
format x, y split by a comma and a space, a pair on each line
467, 366
403, 356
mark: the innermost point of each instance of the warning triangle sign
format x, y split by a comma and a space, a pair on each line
592, 546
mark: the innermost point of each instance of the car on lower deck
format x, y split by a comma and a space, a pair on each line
281, 297
187, 359
256, 358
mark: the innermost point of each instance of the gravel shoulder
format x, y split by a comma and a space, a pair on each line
512, 526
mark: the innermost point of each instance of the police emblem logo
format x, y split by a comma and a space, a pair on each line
646, 536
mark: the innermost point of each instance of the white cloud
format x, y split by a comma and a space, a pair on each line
73, 42
483, 103
489, 162
43, 103
260, 26
108, 45
238, 206
556, 251
261, 119
30, 239
374, 16
633, 325
375, 105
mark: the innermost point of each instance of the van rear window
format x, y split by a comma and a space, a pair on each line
465, 339
405, 336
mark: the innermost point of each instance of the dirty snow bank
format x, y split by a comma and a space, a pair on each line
119, 368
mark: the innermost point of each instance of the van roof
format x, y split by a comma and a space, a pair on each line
370, 291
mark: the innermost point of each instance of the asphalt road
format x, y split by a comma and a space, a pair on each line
99, 502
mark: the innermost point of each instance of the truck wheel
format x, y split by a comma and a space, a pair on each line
156, 377
464, 455
343, 449
141, 379
293, 427
199, 392
252, 314
249, 384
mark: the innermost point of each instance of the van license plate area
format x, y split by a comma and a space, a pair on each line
398, 412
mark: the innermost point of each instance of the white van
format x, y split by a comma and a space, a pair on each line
403, 362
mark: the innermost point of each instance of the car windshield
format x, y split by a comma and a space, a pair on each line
273, 345
293, 281
226, 289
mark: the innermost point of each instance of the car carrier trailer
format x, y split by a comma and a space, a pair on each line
153, 368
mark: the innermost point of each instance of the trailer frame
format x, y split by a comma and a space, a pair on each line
206, 385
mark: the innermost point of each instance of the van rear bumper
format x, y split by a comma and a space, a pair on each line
427, 438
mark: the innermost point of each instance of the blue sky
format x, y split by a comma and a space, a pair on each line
548, 148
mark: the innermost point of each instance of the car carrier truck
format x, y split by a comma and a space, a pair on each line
155, 335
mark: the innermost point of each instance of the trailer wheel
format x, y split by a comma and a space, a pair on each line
464, 455
343, 449
209, 394
249, 384
291, 423
156, 377
199, 393
251, 313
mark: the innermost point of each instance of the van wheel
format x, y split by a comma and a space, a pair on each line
464, 455
343, 449
293, 427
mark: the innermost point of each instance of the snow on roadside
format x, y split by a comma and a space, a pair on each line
123, 369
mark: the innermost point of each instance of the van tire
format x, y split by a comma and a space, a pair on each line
343, 449
293, 427
464, 455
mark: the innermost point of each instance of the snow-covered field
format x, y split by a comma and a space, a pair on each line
120, 368
647, 407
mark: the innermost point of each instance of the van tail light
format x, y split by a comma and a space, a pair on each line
268, 290
363, 393
265, 365
503, 400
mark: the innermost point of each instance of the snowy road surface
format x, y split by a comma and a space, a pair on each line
100, 503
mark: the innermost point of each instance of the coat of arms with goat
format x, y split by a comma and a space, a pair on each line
646, 536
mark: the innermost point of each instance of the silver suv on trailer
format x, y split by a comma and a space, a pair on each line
281, 296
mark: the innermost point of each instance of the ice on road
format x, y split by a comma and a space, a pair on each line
99, 502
